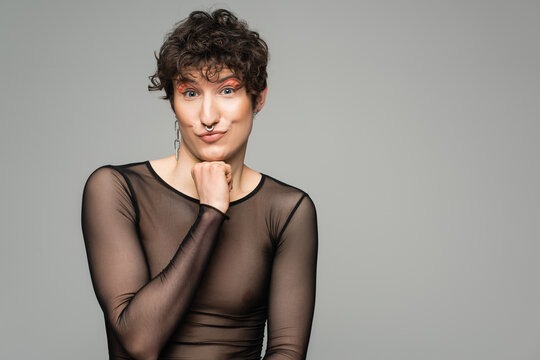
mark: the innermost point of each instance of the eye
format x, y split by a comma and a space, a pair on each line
185, 90
189, 93
228, 90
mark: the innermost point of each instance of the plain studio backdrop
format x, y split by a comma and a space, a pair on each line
413, 125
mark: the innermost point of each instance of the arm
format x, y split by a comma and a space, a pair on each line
143, 312
292, 285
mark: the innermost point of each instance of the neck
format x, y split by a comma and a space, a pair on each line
186, 160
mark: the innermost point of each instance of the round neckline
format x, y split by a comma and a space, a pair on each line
167, 185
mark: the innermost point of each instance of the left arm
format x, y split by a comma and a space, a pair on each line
292, 285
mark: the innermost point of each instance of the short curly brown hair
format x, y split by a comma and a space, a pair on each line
211, 41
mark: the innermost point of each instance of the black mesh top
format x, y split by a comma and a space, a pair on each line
177, 279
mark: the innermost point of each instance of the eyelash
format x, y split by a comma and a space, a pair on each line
225, 88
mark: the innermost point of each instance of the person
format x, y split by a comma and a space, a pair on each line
190, 255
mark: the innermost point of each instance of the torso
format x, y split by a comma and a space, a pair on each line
227, 317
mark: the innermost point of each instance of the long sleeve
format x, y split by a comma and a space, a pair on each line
142, 312
292, 285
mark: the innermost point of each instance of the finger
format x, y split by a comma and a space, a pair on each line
227, 171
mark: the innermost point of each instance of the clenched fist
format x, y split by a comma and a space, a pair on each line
213, 180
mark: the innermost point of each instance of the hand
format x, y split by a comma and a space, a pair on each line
213, 180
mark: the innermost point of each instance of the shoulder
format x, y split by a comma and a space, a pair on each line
283, 187
289, 207
105, 176
284, 194
110, 169
107, 188
105, 179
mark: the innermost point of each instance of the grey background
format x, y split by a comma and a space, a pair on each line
412, 124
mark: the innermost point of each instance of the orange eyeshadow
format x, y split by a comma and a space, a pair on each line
181, 87
232, 82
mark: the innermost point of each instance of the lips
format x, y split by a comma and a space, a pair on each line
212, 136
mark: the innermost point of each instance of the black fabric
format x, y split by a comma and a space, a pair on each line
177, 279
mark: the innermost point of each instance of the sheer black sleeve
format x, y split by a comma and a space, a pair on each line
142, 311
292, 285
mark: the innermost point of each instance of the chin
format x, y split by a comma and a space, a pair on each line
213, 156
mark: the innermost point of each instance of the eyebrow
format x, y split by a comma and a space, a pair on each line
219, 81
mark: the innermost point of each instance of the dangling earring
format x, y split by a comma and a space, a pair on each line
177, 140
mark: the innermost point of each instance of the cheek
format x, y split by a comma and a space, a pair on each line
185, 114
240, 109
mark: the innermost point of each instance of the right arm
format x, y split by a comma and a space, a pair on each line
142, 312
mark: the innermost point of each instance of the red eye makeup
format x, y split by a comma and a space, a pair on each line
232, 82
180, 88
235, 83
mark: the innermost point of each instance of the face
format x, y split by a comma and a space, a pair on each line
225, 104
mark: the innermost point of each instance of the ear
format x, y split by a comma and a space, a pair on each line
261, 98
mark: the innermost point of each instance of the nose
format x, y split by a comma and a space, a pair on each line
209, 113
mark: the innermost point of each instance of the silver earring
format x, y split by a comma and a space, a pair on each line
177, 140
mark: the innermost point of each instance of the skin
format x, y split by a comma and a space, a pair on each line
228, 107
